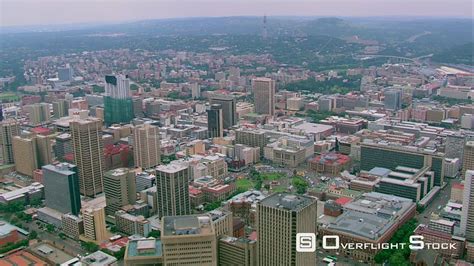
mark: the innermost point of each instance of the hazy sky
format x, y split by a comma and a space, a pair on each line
44, 12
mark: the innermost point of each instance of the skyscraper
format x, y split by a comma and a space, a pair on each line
468, 157
8, 129
195, 90
118, 105
60, 108
119, 189
25, 155
94, 223
228, 104
38, 113
467, 217
279, 218
65, 73
88, 154
215, 121
264, 96
44, 149
392, 99
172, 189
146, 146
61, 188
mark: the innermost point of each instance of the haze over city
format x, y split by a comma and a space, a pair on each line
32, 12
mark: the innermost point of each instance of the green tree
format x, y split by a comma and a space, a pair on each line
97, 89
12, 207
11, 246
33, 235
90, 246
50, 228
300, 184
212, 206
155, 233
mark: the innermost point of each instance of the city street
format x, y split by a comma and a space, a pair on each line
68, 245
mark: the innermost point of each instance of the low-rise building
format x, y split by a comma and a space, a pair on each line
72, 225
99, 258
289, 151
131, 224
372, 218
330, 163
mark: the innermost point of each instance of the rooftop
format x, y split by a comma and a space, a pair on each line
172, 167
99, 258
187, 225
61, 168
287, 201
372, 215
144, 247
6, 228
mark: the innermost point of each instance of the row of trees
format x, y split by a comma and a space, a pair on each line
398, 256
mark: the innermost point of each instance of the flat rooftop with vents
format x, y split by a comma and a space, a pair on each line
372, 215
187, 225
287, 201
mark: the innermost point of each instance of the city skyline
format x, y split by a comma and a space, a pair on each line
43, 13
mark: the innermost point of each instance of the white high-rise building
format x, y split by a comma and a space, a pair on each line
467, 217
117, 86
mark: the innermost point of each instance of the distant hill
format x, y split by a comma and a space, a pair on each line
460, 54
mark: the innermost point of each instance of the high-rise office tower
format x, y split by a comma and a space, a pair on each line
468, 157
195, 90
228, 104
264, 95
279, 218
61, 188
118, 105
8, 129
119, 189
25, 155
44, 149
38, 113
65, 73
188, 240
454, 147
146, 146
172, 189
1, 113
63, 146
94, 223
88, 154
392, 99
467, 217
137, 107
215, 121
60, 108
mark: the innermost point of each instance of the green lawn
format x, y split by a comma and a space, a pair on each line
244, 184
9, 97
279, 189
271, 176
